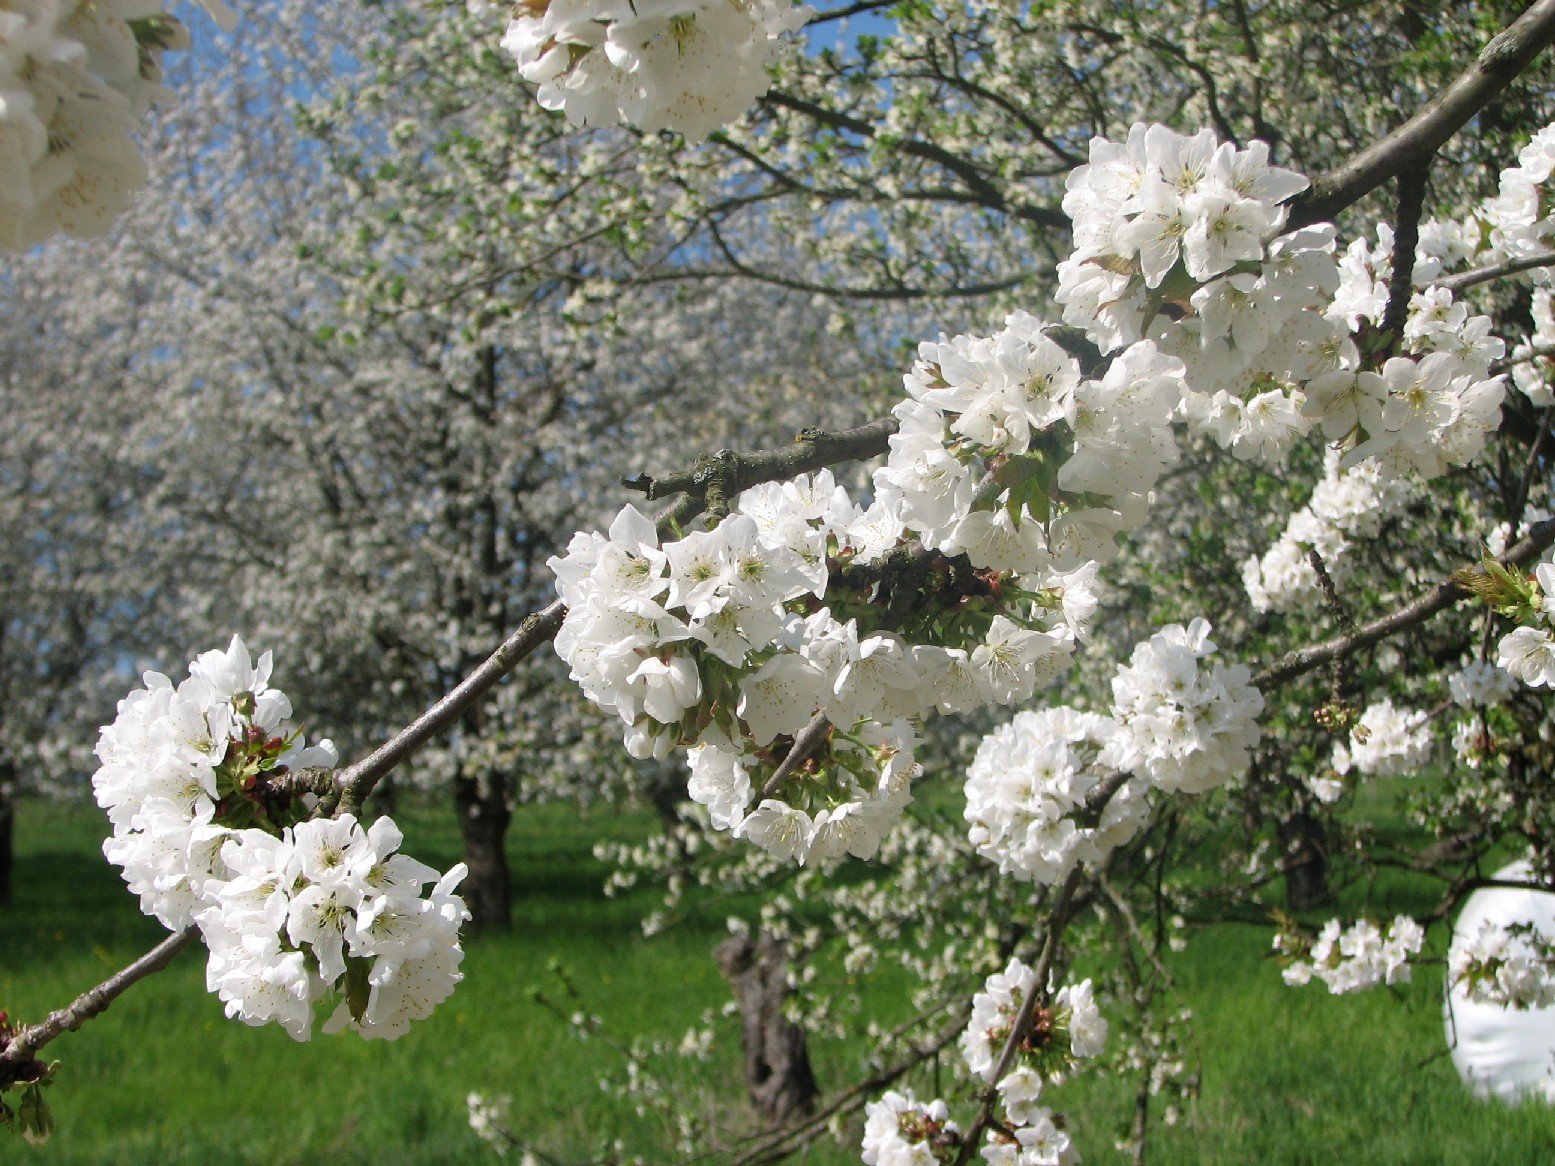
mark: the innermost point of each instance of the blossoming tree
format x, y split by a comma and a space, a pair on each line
1214, 403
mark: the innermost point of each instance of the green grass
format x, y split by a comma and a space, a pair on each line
164, 1077
1290, 1076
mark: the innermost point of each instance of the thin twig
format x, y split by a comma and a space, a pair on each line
972, 175
1442, 596
1456, 283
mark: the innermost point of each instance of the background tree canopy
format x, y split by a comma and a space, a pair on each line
382, 334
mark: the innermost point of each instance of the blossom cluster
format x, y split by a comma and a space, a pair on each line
1040, 1141
1164, 213
734, 642
1534, 360
331, 910
1185, 722
1480, 684
1346, 507
1386, 742
686, 65
1528, 652
1009, 454
1518, 214
1352, 959
1062, 1032
1509, 965
175, 760
1029, 781
900, 1130
1423, 412
1175, 725
489, 1117
1177, 243
1477, 688
1070, 1028
75, 80
208, 830
1502, 951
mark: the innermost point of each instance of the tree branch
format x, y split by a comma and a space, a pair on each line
900, 291
1417, 140
1456, 283
357, 781
1406, 237
1439, 598
812, 450
25, 1044
970, 175
805, 744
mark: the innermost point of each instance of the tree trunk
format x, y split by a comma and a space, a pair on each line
1305, 861
482, 807
777, 1064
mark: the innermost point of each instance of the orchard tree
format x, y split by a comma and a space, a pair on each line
461, 406
1207, 399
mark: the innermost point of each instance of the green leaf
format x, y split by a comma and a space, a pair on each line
358, 990
34, 1117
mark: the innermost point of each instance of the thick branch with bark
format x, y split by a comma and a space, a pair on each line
1414, 143
728, 473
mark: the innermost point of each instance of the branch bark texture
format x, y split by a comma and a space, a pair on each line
1414, 143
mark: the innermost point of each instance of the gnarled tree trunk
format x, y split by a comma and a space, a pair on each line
777, 1063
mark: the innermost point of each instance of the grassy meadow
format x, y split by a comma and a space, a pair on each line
1290, 1076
